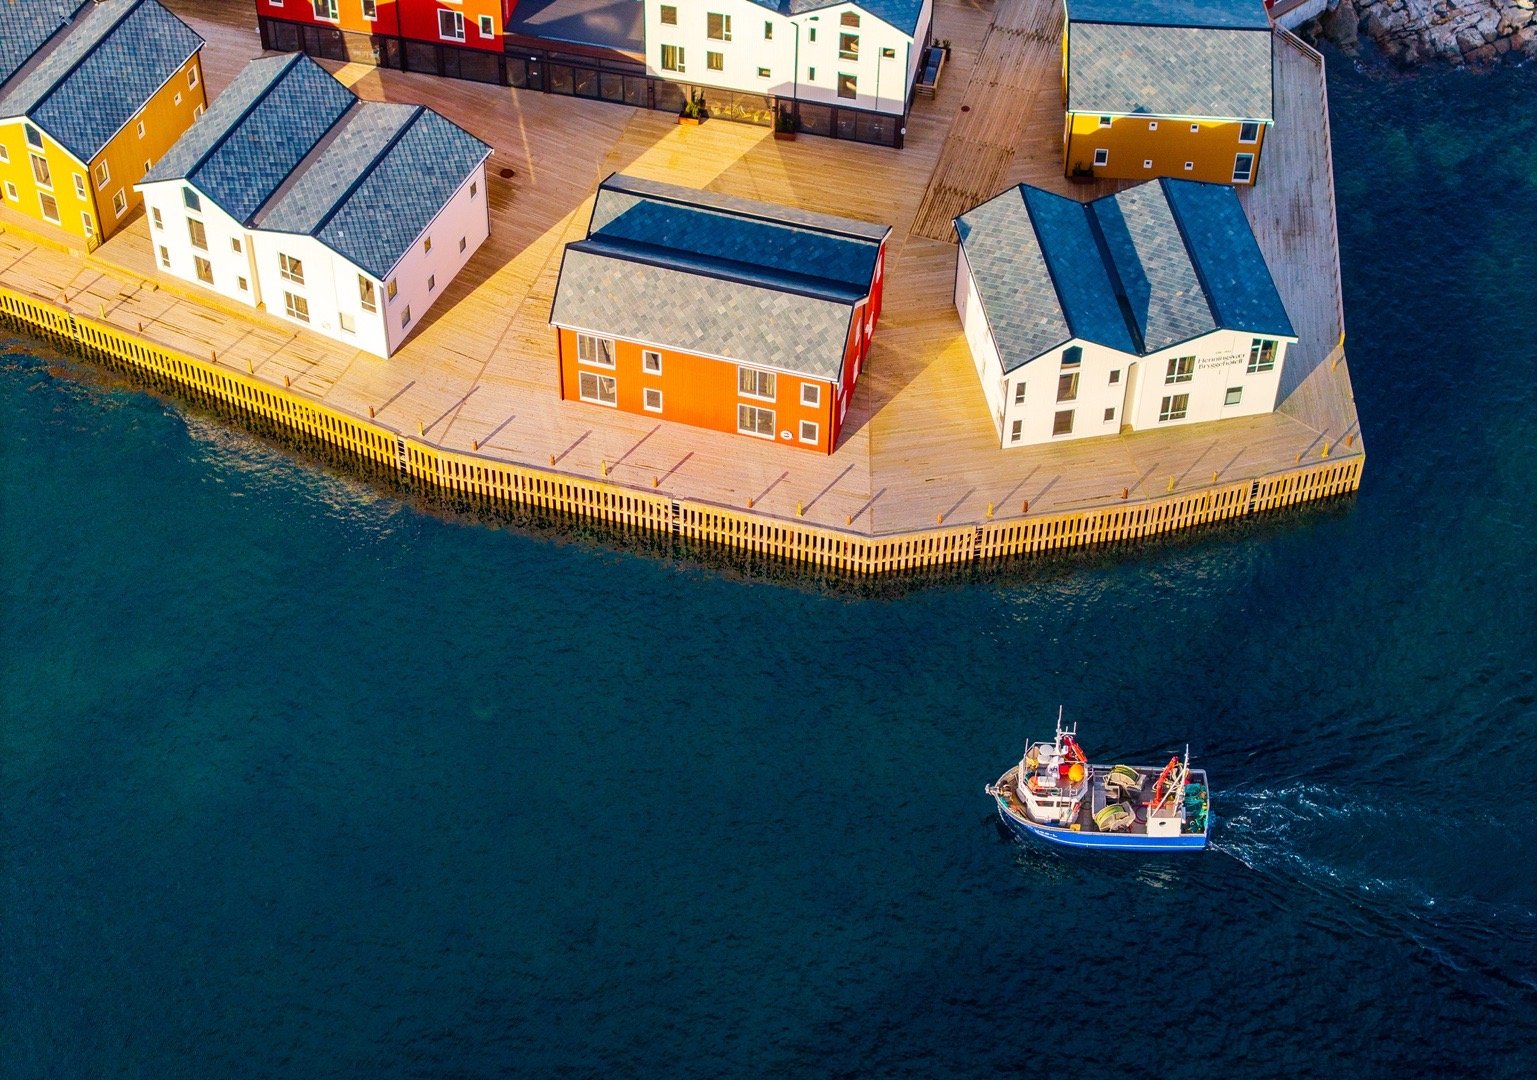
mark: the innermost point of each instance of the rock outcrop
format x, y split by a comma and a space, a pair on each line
1411, 32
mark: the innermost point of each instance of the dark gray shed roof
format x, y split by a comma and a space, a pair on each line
1124, 69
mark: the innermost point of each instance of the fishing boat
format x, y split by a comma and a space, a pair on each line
1055, 793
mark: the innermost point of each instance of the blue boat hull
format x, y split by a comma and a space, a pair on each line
1115, 841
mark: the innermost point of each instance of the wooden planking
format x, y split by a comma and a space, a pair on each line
920, 454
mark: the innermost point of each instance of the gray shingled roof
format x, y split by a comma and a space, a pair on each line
25, 25
1138, 271
1247, 14
255, 133
96, 77
1169, 71
749, 282
376, 183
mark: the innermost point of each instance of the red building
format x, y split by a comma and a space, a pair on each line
458, 38
718, 312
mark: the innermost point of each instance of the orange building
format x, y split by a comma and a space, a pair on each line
91, 95
718, 312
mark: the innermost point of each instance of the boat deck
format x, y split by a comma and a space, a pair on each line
920, 449
1094, 801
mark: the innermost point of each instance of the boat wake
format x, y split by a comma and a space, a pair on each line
1318, 837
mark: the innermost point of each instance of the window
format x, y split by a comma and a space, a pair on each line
370, 10
848, 46
368, 300
810, 431
753, 383
601, 389
1016, 431
888, 54
197, 234
669, 15
1173, 407
715, 61
346, 323
33, 137
1189, 166
40, 172
462, 244
1072, 357
427, 246
10, 191
190, 200
1067, 386
1019, 393
1248, 132
1261, 355
192, 78
50, 206
79, 185
672, 58
1102, 156
451, 25
1243, 168
291, 269
5, 155
120, 202
165, 257
768, 31
1115, 376
811, 395
103, 174
1062, 423
148, 164
325, 9
205, 272
234, 244
1180, 369
755, 421
1109, 415
651, 362
87, 225
849, 19
717, 27
242, 284
652, 399
763, 73
432, 282
487, 26
1152, 125
405, 317
1104, 121
197, 111
811, 74
389, 291
1147, 163
1194, 128
1234, 396
848, 85
176, 100
597, 351
474, 188
812, 37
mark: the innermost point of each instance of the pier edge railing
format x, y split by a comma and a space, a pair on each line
494, 481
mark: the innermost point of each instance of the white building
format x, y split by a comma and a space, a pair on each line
1149, 308
862, 56
343, 216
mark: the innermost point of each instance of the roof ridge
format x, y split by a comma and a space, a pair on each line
133, 6
1122, 300
417, 112
224, 136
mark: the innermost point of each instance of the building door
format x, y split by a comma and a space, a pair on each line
1129, 401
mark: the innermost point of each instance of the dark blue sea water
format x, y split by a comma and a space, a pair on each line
299, 781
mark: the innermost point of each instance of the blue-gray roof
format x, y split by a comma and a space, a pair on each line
255, 133
1169, 71
97, 76
377, 183
26, 24
902, 14
1231, 14
765, 285
1139, 271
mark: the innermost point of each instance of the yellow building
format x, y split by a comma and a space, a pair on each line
91, 94
1178, 88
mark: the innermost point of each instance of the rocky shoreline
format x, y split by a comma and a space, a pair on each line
1476, 33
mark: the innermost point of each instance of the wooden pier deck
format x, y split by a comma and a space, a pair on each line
479, 375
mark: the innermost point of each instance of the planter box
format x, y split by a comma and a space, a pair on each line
785, 136
692, 121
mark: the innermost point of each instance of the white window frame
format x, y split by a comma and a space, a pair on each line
368, 294
1180, 369
1248, 124
11, 192
326, 10
1234, 396
371, 10
43, 199
196, 228
1016, 431
450, 25
1019, 392
120, 202
296, 306
290, 268
725, 26
599, 384
80, 186
87, 225
1101, 157
1246, 175
487, 26
199, 265
811, 395
595, 351
651, 361
154, 215
816, 432
1172, 408
758, 378
649, 395
744, 411
165, 257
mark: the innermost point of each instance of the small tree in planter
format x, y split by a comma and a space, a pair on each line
785, 124
694, 111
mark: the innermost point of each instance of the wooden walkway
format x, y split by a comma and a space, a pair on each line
478, 378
